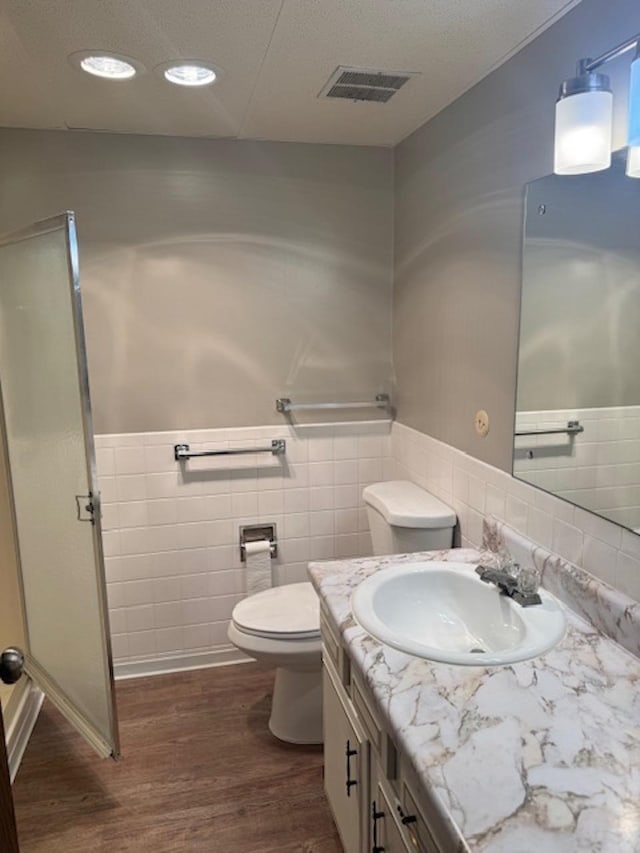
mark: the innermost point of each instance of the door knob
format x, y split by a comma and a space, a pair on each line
11, 665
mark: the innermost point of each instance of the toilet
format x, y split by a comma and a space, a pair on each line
280, 627
404, 518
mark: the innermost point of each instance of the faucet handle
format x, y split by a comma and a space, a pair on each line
527, 591
509, 565
528, 580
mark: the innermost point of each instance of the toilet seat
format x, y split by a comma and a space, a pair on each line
284, 613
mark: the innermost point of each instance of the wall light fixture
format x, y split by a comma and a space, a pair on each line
584, 116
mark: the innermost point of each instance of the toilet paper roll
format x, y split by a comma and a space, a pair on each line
258, 565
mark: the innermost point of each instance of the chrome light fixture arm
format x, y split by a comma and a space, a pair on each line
585, 66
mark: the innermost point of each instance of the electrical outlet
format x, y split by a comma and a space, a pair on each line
482, 423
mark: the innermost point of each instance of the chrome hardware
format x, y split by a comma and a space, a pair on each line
349, 753
181, 452
11, 665
376, 815
255, 533
587, 65
89, 508
572, 428
284, 405
508, 585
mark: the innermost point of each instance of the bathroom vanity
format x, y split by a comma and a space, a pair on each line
538, 755
374, 795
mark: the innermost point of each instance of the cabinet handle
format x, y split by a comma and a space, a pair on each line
375, 817
349, 753
406, 819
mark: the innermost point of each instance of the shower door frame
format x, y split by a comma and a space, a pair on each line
32, 668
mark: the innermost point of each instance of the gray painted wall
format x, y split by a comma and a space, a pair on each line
217, 275
458, 231
580, 315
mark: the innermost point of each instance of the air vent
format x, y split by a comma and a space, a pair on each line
364, 84
375, 81
360, 93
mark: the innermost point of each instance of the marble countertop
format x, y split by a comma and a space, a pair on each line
542, 755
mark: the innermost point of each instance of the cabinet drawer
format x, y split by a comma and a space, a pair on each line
386, 831
367, 717
430, 828
394, 827
334, 651
415, 826
370, 721
331, 646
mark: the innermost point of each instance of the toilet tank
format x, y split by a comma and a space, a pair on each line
405, 518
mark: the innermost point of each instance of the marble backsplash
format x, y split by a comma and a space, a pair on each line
610, 611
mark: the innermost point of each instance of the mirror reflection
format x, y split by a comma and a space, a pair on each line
577, 426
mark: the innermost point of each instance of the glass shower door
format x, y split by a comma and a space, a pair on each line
48, 441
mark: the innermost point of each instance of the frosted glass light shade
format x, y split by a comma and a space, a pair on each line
634, 104
633, 161
190, 75
109, 67
583, 133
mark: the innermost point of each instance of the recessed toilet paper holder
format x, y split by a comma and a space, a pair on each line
256, 533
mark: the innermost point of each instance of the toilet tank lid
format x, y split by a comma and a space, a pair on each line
404, 504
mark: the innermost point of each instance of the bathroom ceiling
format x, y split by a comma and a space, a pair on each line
276, 56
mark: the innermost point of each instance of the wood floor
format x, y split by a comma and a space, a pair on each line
200, 772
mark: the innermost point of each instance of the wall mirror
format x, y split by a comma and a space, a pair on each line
577, 425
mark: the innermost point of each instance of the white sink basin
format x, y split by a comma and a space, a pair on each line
444, 612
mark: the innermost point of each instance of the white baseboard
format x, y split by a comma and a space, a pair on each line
24, 720
179, 663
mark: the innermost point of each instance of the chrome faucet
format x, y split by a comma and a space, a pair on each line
508, 585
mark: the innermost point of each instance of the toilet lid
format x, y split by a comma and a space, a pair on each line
404, 504
289, 612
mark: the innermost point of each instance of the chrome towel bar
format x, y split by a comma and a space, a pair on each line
181, 451
285, 405
572, 428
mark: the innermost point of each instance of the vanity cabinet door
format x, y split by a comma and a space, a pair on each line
384, 833
395, 825
345, 767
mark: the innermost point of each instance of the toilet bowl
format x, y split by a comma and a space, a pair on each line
280, 628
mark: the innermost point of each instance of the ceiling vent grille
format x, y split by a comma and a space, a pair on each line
364, 84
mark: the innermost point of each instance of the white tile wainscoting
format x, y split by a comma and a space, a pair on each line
475, 489
171, 541
171, 530
598, 468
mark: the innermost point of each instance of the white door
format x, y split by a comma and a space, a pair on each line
345, 767
48, 440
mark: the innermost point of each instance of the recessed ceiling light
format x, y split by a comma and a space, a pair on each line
109, 66
189, 73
